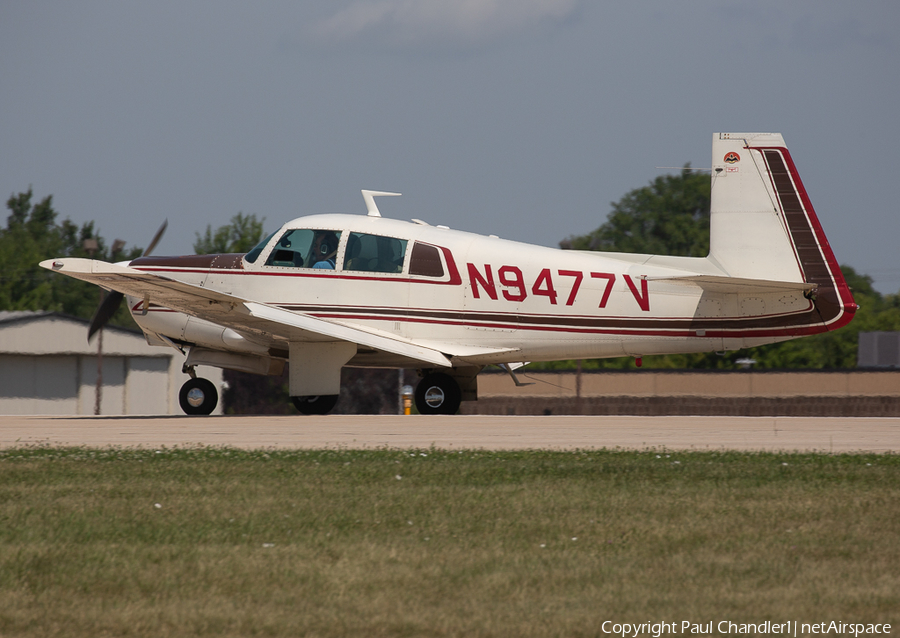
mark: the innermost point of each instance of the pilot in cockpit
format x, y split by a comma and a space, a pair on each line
325, 247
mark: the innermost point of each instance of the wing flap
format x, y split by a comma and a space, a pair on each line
342, 332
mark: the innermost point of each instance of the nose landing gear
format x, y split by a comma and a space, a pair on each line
198, 396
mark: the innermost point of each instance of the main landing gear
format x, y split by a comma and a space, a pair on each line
198, 396
438, 393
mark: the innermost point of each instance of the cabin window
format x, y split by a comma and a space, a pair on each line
306, 248
253, 255
374, 253
425, 261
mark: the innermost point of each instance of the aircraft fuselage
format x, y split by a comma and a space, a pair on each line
327, 291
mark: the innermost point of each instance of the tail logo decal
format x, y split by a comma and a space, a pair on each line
732, 158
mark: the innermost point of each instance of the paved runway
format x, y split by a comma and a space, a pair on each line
461, 432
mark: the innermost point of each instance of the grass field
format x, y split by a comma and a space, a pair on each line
220, 542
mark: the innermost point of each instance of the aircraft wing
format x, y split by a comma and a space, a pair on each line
243, 315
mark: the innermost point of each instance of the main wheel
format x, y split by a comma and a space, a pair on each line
438, 393
322, 404
198, 396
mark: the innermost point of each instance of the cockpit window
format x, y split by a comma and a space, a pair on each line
306, 248
374, 253
253, 255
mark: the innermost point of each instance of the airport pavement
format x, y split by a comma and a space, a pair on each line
823, 434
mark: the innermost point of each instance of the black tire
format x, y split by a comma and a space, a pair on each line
198, 396
438, 393
322, 404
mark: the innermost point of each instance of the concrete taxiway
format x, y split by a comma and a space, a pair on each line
805, 434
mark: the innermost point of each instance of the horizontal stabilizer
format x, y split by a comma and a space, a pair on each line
737, 284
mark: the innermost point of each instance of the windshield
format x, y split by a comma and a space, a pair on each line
254, 252
306, 248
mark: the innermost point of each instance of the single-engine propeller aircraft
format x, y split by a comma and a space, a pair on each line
335, 290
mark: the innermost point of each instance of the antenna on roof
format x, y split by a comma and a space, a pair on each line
369, 198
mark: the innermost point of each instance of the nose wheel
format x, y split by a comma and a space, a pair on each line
438, 393
198, 396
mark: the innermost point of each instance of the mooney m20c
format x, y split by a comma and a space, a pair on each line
328, 291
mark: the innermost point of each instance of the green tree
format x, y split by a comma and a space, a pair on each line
668, 217
32, 235
241, 234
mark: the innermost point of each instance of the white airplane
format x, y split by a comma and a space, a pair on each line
328, 291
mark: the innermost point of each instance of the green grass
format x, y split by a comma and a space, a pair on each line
220, 542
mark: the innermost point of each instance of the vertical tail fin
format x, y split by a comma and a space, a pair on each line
748, 236
762, 223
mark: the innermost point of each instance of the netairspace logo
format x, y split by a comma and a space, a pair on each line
790, 628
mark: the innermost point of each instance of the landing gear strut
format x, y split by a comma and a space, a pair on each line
322, 404
198, 396
438, 393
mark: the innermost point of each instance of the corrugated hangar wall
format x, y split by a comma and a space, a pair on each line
47, 366
66, 384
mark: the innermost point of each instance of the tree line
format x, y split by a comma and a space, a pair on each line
34, 233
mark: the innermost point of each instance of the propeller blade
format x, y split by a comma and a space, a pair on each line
156, 238
105, 311
111, 301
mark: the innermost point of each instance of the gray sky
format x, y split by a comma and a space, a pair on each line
521, 118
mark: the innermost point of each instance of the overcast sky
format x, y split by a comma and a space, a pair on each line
520, 118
